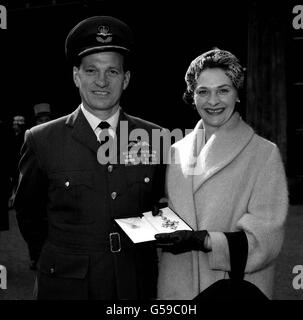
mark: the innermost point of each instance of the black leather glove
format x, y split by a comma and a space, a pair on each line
182, 241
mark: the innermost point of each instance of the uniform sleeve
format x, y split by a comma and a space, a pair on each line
162, 166
31, 196
263, 222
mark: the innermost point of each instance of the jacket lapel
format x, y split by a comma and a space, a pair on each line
81, 130
191, 167
189, 148
223, 146
180, 173
121, 141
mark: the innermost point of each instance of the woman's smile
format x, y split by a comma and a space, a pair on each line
214, 111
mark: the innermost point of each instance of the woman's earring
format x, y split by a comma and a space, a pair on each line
238, 100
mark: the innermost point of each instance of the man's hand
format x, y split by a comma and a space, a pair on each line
183, 241
159, 205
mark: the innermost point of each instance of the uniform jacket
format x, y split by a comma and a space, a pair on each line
237, 182
66, 201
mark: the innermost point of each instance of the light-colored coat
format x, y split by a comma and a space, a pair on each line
237, 182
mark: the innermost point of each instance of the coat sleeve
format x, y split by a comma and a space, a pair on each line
263, 222
31, 196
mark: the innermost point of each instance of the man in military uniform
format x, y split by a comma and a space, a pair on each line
67, 198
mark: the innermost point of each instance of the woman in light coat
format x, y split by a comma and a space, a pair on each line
223, 178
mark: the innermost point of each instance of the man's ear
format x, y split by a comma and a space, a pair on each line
76, 76
126, 79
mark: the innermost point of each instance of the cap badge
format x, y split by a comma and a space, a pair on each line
104, 35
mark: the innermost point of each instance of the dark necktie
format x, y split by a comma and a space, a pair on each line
104, 125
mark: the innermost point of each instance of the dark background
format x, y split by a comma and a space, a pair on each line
168, 35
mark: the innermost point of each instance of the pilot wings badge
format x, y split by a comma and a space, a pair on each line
104, 35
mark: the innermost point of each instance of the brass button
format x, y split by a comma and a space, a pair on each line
66, 184
114, 195
146, 179
52, 270
110, 168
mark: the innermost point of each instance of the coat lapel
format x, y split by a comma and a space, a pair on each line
82, 131
223, 146
180, 173
189, 148
191, 167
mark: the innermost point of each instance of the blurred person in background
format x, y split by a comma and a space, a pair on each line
42, 113
5, 175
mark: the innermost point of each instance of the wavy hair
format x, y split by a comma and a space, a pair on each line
215, 58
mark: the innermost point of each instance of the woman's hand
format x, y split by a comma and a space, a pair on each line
182, 241
162, 203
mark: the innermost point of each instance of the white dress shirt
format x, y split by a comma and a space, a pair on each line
94, 122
